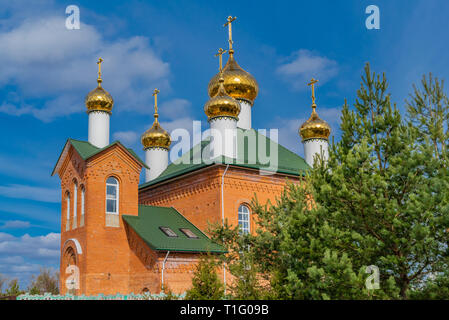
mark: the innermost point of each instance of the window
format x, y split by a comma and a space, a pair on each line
188, 233
82, 206
112, 195
67, 199
243, 219
75, 198
168, 232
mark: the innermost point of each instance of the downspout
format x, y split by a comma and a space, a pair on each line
163, 268
222, 219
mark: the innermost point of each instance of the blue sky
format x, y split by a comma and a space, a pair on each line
46, 71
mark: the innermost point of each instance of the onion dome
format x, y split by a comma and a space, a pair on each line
222, 104
238, 83
99, 99
314, 127
156, 136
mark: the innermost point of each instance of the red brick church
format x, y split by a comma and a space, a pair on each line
130, 237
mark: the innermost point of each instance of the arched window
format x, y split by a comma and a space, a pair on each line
244, 219
67, 199
75, 202
112, 196
83, 192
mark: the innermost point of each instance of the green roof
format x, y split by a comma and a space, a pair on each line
87, 150
147, 225
288, 161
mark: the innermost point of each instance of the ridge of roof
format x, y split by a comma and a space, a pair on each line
86, 150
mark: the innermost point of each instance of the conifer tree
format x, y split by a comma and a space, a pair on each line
385, 191
380, 202
205, 283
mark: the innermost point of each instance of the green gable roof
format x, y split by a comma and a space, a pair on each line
288, 161
147, 225
87, 150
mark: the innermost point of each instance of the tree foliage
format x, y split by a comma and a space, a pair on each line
46, 282
205, 284
381, 199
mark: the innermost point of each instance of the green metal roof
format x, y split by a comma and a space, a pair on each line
288, 161
87, 150
147, 225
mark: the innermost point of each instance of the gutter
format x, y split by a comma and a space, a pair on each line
163, 268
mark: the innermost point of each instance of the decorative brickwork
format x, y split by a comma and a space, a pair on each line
111, 257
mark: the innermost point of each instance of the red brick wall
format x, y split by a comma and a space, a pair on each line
115, 259
198, 196
104, 262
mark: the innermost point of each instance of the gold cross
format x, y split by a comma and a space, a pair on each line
219, 55
99, 71
155, 92
229, 23
312, 83
99, 67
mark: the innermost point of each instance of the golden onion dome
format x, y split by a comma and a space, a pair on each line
238, 83
156, 136
222, 104
99, 99
315, 128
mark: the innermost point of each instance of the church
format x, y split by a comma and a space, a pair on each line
121, 235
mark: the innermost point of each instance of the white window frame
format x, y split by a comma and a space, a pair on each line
117, 195
240, 222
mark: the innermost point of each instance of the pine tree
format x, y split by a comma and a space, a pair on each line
381, 202
205, 283
385, 191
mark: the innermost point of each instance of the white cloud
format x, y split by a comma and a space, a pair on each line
21, 257
32, 193
39, 247
302, 65
41, 59
15, 224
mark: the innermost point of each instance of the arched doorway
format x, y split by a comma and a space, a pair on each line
70, 271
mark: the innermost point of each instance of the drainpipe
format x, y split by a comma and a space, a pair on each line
163, 268
222, 219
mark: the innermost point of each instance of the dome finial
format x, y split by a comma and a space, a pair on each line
220, 55
156, 115
229, 25
99, 80
312, 84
